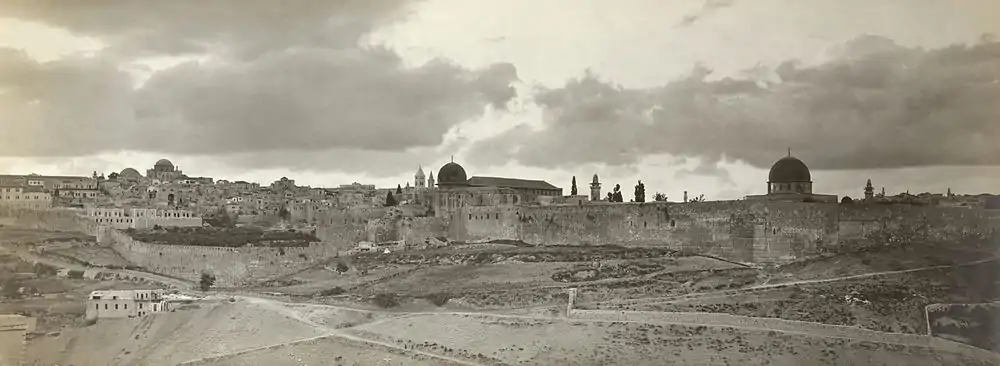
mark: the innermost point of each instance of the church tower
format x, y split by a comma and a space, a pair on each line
869, 190
595, 189
419, 181
430, 181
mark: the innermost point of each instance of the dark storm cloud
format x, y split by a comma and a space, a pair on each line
879, 106
280, 77
240, 28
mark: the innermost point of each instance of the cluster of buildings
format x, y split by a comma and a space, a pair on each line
165, 196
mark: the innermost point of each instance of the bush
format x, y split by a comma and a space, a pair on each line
385, 300
332, 291
206, 282
75, 274
342, 268
45, 270
439, 299
10, 289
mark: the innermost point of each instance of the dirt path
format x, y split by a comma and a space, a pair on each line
280, 308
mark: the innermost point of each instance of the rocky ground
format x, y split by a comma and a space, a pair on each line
505, 304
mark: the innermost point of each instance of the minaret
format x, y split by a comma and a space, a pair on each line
595, 189
685, 196
430, 181
869, 190
419, 180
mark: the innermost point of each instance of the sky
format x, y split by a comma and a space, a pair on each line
694, 95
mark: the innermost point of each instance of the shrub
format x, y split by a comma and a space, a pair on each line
45, 270
206, 282
73, 273
341, 267
385, 300
10, 289
439, 299
332, 291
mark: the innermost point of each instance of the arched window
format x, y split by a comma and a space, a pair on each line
672, 223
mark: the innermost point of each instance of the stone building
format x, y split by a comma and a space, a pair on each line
125, 303
164, 171
143, 218
25, 197
455, 190
13, 341
790, 180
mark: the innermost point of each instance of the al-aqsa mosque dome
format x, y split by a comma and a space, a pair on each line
452, 174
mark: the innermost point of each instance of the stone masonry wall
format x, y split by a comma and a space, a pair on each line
232, 267
744, 231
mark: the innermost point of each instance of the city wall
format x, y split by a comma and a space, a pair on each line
232, 267
744, 231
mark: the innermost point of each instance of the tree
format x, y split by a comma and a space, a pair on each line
206, 282
113, 176
390, 200
10, 289
659, 197
284, 214
611, 197
399, 189
700, 198
640, 192
572, 189
618, 193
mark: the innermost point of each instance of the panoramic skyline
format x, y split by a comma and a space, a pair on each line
701, 96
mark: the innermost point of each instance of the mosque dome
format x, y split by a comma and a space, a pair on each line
452, 174
164, 165
789, 170
130, 173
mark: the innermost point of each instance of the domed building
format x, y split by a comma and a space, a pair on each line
789, 175
452, 175
129, 174
164, 171
455, 191
790, 180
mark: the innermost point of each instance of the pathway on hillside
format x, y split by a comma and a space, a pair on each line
723, 293
280, 308
714, 320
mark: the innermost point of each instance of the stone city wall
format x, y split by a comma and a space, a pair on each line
232, 267
744, 231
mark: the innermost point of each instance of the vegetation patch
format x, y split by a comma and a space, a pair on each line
223, 237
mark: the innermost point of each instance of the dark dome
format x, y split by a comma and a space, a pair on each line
164, 164
788, 170
452, 174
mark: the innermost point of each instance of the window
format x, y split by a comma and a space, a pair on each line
97, 306
672, 223
116, 306
105, 306
126, 306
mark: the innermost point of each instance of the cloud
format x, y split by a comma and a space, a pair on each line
707, 8
281, 78
879, 105
706, 169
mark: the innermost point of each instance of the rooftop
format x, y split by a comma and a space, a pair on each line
510, 183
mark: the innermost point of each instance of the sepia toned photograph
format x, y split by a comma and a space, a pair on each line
499, 182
